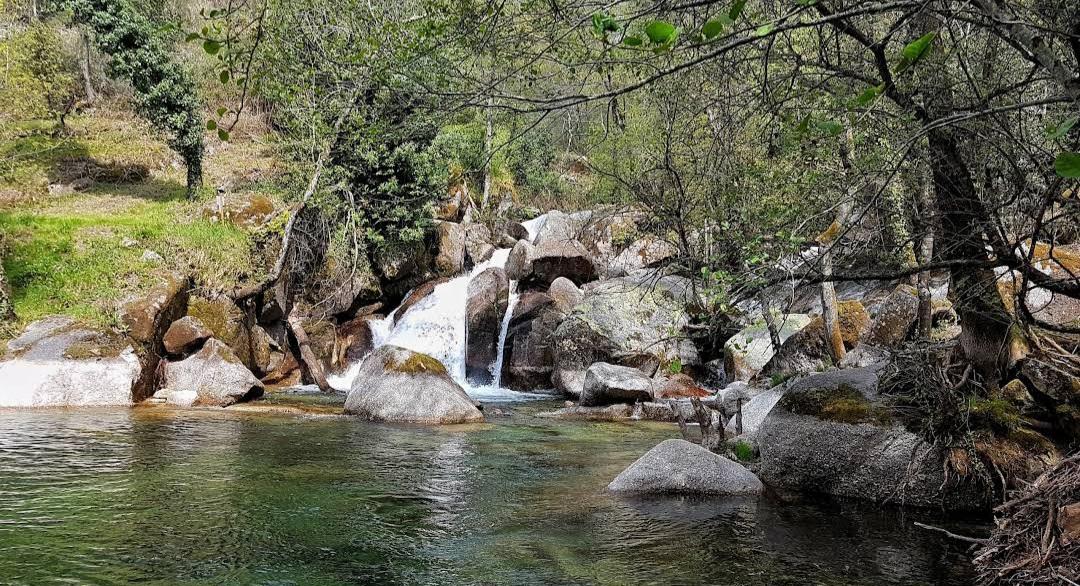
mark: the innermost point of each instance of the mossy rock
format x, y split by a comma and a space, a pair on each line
843, 404
416, 363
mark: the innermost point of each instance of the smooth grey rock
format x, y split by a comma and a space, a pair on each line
395, 384
486, 301
56, 363
755, 411
214, 374
609, 383
478, 247
678, 466
565, 293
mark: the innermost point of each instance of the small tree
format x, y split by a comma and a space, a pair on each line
44, 59
164, 93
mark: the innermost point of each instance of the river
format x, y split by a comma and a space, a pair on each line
155, 495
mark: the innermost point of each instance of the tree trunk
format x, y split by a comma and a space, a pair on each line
489, 137
964, 223
84, 66
194, 178
830, 313
309, 362
926, 256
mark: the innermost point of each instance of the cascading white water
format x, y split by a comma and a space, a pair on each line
436, 326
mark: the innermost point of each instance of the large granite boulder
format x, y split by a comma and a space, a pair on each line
450, 245
890, 328
646, 252
355, 339
558, 227
747, 352
186, 335
609, 383
212, 376
529, 349
57, 363
677, 466
553, 259
565, 293
146, 318
228, 323
830, 434
395, 384
519, 262
486, 301
807, 350
621, 321
478, 246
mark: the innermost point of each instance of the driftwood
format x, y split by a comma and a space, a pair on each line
309, 362
1037, 535
710, 421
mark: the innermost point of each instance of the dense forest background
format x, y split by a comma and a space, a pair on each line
774, 145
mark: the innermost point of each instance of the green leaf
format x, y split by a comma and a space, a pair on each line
222, 111
830, 127
915, 50
211, 125
1067, 165
603, 24
192, 37
764, 30
872, 93
224, 76
223, 134
211, 46
712, 29
660, 32
1059, 131
805, 124
633, 41
736, 9
806, 2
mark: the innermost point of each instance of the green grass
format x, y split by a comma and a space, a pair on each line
79, 253
78, 265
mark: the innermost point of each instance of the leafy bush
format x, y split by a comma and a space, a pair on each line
164, 93
37, 80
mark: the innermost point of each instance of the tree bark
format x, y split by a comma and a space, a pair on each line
489, 138
926, 256
309, 362
84, 67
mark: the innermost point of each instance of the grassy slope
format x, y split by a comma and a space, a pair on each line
80, 252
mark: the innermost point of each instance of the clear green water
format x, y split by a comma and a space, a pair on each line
155, 496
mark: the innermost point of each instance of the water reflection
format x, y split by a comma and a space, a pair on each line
115, 496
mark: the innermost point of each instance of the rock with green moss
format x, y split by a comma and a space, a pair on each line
398, 385
623, 321
830, 434
890, 328
749, 351
677, 466
212, 376
55, 362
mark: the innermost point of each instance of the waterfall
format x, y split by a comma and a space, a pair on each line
436, 326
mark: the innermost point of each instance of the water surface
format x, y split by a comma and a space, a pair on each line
162, 496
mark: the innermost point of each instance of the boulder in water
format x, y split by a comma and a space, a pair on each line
609, 383
529, 352
214, 374
829, 435
57, 363
395, 384
450, 242
487, 298
621, 321
677, 466
478, 247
